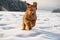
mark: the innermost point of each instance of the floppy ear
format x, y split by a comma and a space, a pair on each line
28, 5
35, 4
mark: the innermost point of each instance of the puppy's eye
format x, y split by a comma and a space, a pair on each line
31, 10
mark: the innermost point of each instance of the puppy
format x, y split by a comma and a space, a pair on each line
30, 17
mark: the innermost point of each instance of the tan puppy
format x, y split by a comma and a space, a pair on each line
29, 18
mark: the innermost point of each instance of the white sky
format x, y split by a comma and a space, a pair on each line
46, 3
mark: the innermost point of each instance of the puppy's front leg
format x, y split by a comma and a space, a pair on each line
29, 26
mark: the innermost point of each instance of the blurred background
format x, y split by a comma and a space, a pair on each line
46, 4
20, 5
12, 5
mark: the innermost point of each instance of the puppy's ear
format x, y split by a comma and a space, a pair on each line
28, 5
35, 4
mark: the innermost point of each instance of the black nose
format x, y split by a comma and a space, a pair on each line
32, 13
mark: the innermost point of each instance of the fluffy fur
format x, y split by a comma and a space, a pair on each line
29, 18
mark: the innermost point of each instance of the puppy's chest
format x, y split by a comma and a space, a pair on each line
32, 17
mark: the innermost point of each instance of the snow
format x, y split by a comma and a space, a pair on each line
47, 26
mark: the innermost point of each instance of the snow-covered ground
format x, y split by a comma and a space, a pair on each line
47, 26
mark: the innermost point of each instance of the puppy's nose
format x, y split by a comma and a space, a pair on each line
32, 13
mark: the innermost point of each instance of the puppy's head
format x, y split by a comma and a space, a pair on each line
31, 9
